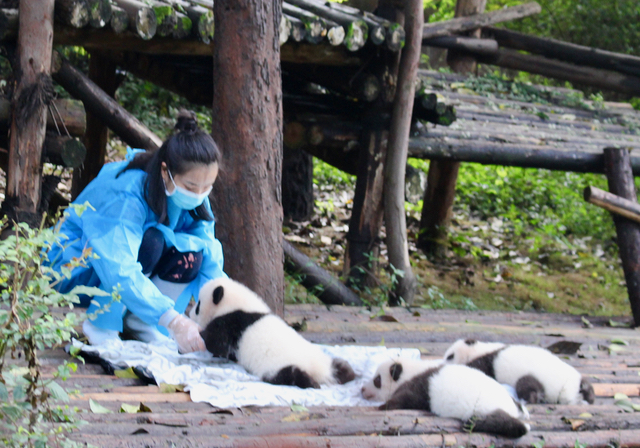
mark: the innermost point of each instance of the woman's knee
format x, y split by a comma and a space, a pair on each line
151, 250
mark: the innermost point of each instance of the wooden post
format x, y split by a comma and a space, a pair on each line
247, 111
459, 62
394, 213
103, 72
443, 175
360, 263
297, 184
618, 172
33, 93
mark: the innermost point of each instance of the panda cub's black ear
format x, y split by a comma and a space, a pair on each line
217, 295
395, 371
470, 341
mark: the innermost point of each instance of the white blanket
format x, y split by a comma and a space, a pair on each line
225, 384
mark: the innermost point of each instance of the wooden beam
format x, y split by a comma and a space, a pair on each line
106, 39
61, 113
33, 92
620, 179
96, 101
466, 44
615, 204
328, 288
566, 52
460, 24
525, 156
602, 79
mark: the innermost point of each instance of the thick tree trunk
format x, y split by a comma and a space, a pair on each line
103, 72
247, 106
618, 171
33, 93
394, 214
96, 101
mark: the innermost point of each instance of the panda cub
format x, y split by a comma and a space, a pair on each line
460, 392
536, 374
392, 373
239, 326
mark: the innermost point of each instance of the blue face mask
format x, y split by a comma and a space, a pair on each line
183, 198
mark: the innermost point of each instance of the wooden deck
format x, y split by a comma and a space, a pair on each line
176, 421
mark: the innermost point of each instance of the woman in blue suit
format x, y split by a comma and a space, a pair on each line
151, 229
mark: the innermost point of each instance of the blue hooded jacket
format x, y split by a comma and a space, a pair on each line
114, 232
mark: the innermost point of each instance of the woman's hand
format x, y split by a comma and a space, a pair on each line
187, 334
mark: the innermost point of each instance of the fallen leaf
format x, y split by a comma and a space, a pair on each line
140, 431
619, 341
298, 408
564, 347
585, 415
586, 323
125, 373
620, 396
97, 408
144, 408
576, 423
386, 318
129, 408
170, 388
613, 323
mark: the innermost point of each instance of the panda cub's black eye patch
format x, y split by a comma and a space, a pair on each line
449, 358
198, 308
377, 381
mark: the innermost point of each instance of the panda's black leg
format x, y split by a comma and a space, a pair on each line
293, 376
498, 422
530, 389
342, 371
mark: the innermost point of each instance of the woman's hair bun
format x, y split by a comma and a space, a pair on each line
187, 121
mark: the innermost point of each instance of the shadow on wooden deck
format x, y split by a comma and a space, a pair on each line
176, 421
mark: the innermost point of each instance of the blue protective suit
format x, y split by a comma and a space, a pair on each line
114, 232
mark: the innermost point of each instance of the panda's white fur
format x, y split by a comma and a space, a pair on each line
561, 382
388, 378
458, 391
267, 345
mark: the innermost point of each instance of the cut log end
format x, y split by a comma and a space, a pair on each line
146, 23
206, 27
356, 35
336, 35
298, 31
395, 37
285, 29
315, 31
377, 35
119, 20
99, 13
75, 13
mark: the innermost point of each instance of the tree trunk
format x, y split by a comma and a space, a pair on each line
33, 93
247, 106
96, 101
618, 171
394, 214
103, 72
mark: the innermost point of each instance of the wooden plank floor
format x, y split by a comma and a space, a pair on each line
176, 421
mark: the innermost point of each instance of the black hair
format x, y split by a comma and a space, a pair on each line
187, 146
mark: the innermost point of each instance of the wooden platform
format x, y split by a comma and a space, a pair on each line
176, 421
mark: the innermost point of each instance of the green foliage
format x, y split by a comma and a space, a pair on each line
550, 201
27, 326
325, 174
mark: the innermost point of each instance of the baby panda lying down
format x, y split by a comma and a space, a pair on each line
238, 325
536, 374
448, 391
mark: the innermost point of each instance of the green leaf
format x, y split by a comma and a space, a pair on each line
97, 408
58, 392
89, 291
126, 373
144, 408
129, 408
170, 388
298, 408
619, 341
620, 396
613, 323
